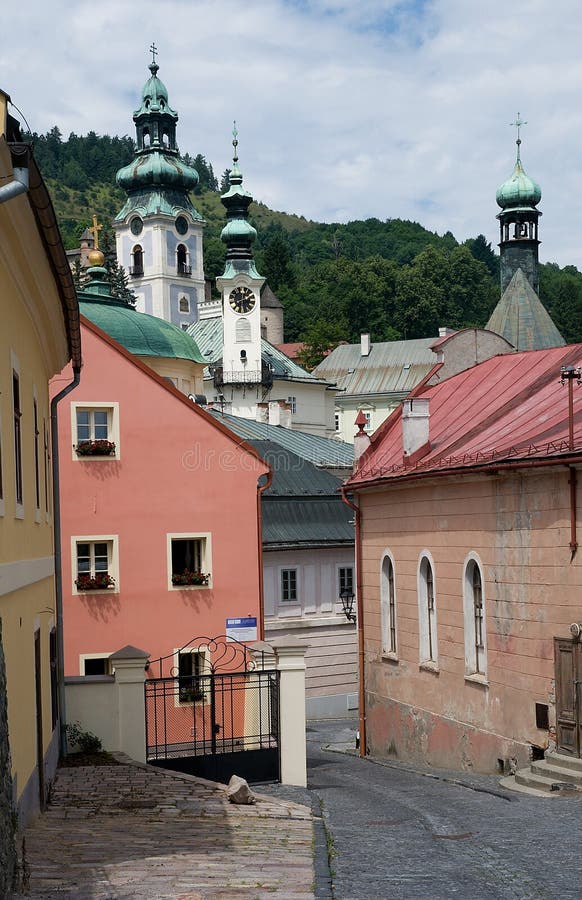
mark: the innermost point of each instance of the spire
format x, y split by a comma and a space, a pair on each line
238, 234
518, 123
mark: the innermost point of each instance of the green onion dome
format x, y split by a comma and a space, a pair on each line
157, 169
519, 190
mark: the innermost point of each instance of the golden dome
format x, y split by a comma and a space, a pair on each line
95, 258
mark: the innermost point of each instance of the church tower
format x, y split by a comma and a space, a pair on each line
240, 286
158, 231
518, 223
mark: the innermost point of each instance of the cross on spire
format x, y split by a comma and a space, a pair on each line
95, 232
235, 142
517, 124
153, 51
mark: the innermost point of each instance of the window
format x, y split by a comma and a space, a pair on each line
185, 326
95, 665
388, 607
288, 585
193, 666
345, 580
96, 430
95, 563
46, 469
474, 617
337, 421
36, 460
242, 331
427, 612
189, 561
368, 418
136, 269
292, 401
184, 304
183, 266
17, 412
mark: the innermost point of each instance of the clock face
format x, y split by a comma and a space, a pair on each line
181, 224
242, 300
136, 225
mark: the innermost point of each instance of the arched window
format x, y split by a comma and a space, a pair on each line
388, 607
427, 620
184, 304
137, 257
474, 619
242, 331
184, 268
146, 137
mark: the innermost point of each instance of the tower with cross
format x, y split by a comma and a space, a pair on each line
159, 232
518, 198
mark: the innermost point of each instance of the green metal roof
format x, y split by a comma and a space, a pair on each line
390, 366
326, 453
208, 335
141, 334
519, 190
303, 507
521, 318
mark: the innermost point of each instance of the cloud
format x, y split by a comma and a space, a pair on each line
345, 110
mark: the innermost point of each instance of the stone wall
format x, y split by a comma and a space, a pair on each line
7, 848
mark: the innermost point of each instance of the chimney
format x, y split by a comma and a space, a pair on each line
444, 331
361, 439
262, 414
365, 345
415, 429
280, 413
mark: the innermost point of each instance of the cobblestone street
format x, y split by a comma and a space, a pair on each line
126, 832
399, 833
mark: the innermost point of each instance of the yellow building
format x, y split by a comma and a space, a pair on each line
39, 334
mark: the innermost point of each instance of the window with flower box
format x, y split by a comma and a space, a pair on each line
95, 564
189, 561
95, 429
193, 669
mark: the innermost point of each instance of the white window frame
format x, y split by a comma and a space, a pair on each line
112, 540
386, 607
37, 457
427, 632
292, 401
203, 652
338, 570
368, 418
84, 656
206, 558
15, 370
475, 668
112, 410
337, 421
288, 602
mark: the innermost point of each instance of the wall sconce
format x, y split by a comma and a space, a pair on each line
347, 598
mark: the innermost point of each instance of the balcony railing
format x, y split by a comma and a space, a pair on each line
136, 271
183, 269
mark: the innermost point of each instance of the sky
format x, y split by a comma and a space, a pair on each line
346, 109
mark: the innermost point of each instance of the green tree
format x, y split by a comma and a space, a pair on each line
116, 274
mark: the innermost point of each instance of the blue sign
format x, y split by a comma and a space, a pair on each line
241, 629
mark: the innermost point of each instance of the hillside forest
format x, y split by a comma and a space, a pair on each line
392, 278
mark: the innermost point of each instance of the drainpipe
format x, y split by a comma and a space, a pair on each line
360, 620
58, 554
16, 187
261, 488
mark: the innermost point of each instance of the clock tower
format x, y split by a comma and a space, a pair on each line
158, 232
242, 371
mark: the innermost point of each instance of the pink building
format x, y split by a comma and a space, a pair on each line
160, 514
469, 570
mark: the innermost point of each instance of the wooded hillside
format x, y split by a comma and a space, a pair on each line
392, 278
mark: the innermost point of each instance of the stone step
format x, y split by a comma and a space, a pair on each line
562, 759
556, 772
510, 782
545, 783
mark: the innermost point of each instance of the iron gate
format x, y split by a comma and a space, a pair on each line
215, 713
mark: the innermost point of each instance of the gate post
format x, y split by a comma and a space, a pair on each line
129, 663
292, 736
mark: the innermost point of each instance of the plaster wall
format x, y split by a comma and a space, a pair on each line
177, 474
518, 526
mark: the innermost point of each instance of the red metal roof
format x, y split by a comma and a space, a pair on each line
509, 408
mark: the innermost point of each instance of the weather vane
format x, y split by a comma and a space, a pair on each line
153, 51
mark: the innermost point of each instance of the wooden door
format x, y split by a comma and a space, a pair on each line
568, 663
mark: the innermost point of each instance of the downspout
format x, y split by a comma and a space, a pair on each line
360, 622
16, 187
58, 554
573, 481
261, 488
